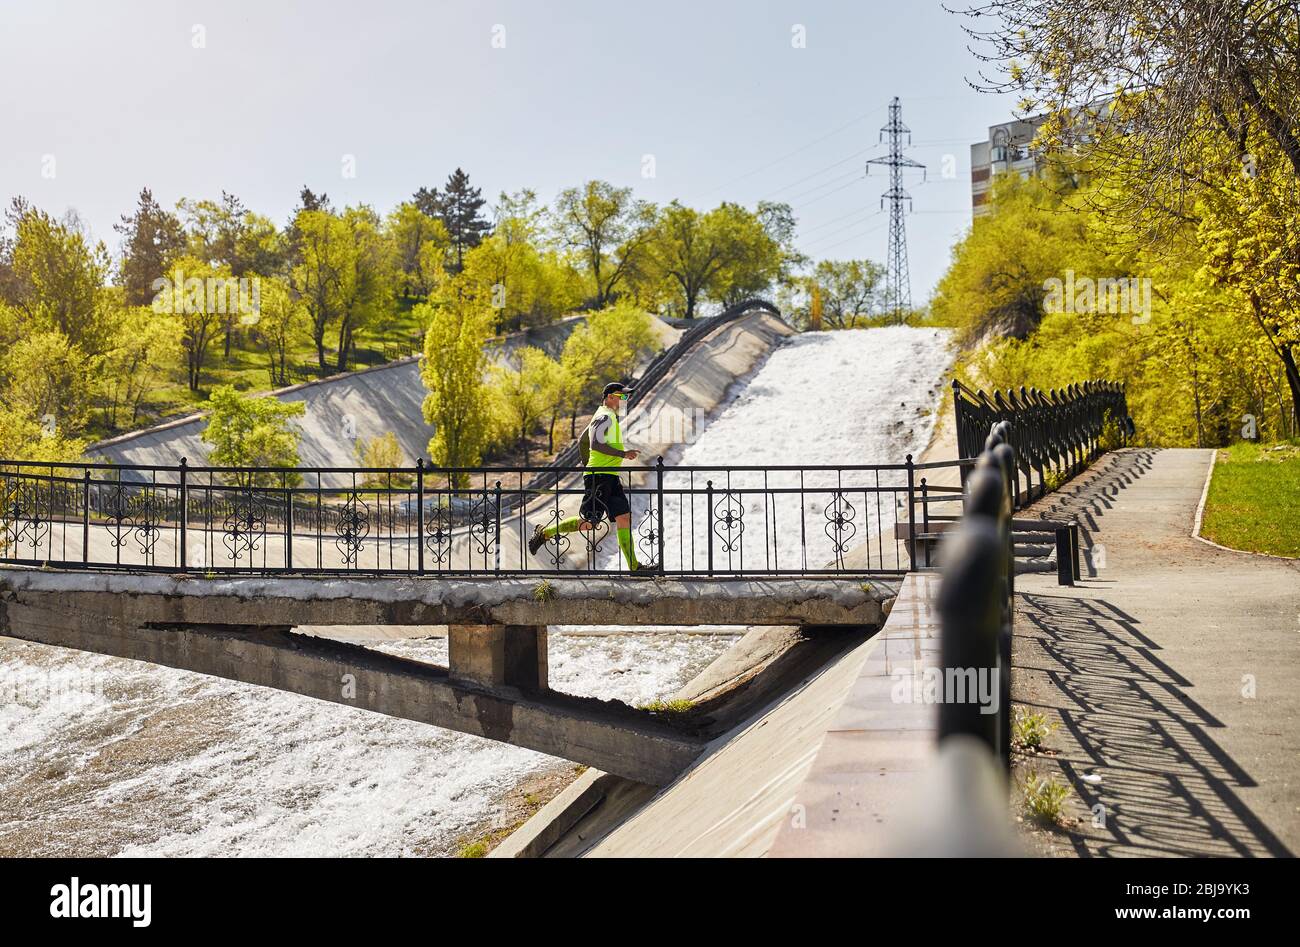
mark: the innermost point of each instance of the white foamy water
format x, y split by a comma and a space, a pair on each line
144, 760
100, 756
857, 397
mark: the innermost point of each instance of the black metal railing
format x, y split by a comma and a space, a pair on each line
1059, 430
721, 521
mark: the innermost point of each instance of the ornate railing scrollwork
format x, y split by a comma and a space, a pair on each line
648, 537
244, 528
840, 528
351, 527
483, 515
437, 532
729, 521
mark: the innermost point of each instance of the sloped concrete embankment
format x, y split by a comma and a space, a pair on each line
339, 410
828, 763
778, 688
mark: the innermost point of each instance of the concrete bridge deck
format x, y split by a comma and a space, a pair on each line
286, 601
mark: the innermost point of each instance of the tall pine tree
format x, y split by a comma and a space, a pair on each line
149, 237
459, 207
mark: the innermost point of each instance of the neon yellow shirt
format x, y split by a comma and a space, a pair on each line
604, 423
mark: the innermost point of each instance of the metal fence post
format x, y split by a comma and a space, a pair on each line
1064, 558
184, 551
708, 502
288, 524
1074, 551
911, 515
659, 501
925, 520
496, 560
85, 519
419, 515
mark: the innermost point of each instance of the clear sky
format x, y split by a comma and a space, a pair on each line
259, 98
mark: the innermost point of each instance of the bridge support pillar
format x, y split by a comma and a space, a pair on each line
498, 655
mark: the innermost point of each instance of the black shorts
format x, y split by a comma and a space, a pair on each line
602, 496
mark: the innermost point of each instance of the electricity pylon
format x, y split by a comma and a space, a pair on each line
898, 282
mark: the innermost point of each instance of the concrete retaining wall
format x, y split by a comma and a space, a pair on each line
833, 768
340, 410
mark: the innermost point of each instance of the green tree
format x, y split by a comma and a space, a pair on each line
686, 249
420, 246
779, 222
150, 236
327, 256
608, 346
23, 437
527, 283
385, 453
50, 380
459, 208
345, 278
997, 282
847, 290
755, 258
186, 295
455, 362
724, 254
280, 324
260, 247
1192, 358
55, 277
1167, 105
252, 431
144, 343
528, 392
608, 228
217, 232
365, 279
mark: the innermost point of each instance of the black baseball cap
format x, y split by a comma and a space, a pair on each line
617, 388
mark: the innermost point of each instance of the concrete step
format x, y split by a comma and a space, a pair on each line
1034, 550
1036, 564
1033, 536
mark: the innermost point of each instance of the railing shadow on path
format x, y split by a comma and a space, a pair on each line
1167, 787
1087, 501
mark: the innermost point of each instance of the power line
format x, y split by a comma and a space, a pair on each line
834, 220
852, 237
790, 154
808, 177
856, 180
839, 178
841, 229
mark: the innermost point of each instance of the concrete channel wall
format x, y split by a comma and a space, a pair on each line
340, 410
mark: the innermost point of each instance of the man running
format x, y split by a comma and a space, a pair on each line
602, 446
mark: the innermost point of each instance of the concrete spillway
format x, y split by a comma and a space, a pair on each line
106, 756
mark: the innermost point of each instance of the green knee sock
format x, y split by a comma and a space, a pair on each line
625, 544
563, 526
